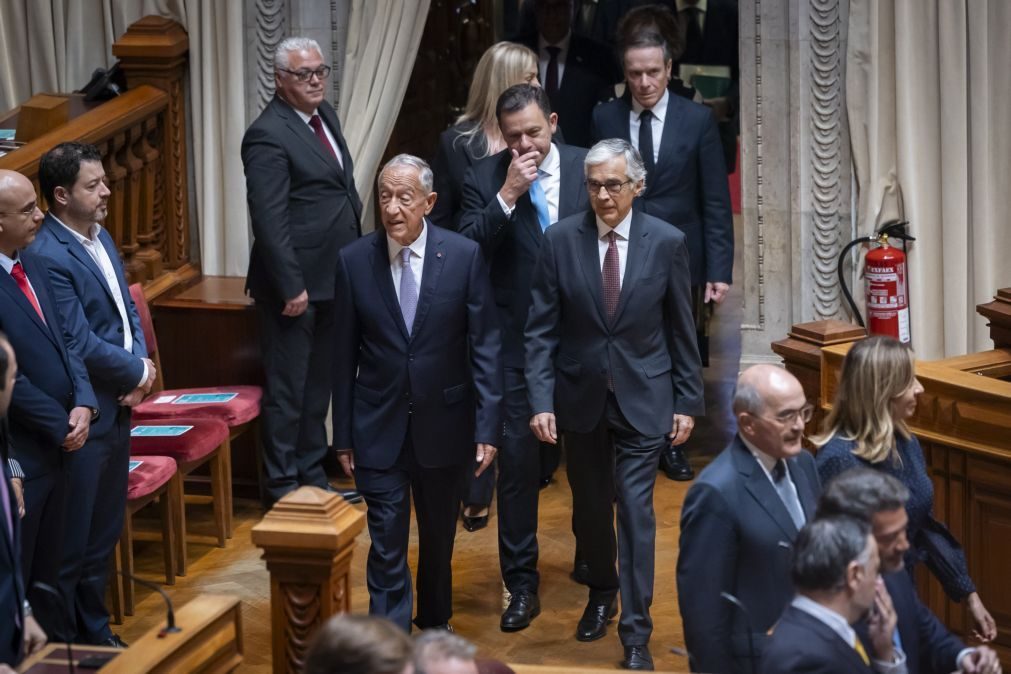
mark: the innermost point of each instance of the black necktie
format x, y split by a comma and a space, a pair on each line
551, 76
646, 141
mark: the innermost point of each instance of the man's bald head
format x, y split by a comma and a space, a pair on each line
20, 216
768, 404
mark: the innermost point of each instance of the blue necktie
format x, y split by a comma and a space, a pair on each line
540, 201
408, 289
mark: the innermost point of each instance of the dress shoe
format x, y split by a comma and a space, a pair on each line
675, 464
580, 572
350, 495
524, 607
475, 522
596, 616
113, 642
638, 657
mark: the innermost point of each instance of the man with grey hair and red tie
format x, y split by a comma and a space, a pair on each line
612, 362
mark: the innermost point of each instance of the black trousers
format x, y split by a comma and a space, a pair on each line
388, 497
614, 462
297, 363
42, 532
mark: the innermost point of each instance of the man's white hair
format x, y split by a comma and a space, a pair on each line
425, 176
290, 44
616, 147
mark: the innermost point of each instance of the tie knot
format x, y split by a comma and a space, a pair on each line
645, 115
316, 123
779, 471
553, 51
17, 271
405, 256
611, 236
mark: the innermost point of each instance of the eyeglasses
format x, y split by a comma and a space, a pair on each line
787, 417
28, 211
321, 73
613, 187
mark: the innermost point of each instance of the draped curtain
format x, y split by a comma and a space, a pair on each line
929, 104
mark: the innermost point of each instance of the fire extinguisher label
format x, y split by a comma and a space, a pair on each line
904, 326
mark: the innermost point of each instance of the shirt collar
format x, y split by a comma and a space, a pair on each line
305, 118
836, 622
621, 230
659, 110
417, 246
8, 262
765, 460
93, 232
552, 162
700, 5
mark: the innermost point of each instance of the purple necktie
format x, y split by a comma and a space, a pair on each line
5, 496
408, 289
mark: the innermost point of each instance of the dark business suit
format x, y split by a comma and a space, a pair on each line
590, 72
737, 537
412, 406
304, 207
12, 591
802, 643
929, 647
51, 381
98, 472
688, 187
511, 244
613, 439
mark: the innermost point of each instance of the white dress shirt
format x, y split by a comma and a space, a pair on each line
417, 259
659, 115
768, 463
620, 240
326, 130
550, 177
543, 57
838, 624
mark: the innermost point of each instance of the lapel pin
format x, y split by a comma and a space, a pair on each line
438, 255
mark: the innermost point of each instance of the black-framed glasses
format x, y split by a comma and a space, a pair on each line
27, 211
787, 417
305, 75
613, 187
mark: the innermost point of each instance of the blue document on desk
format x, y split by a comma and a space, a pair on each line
203, 398
158, 431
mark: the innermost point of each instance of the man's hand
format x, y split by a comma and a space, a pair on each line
18, 485
881, 624
521, 174
35, 638
681, 429
296, 306
79, 422
716, 292
984, 628
981, 660
133, 398
543, 426
152, 374
485, 455
346, 457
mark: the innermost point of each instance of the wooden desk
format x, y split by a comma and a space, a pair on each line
562, 669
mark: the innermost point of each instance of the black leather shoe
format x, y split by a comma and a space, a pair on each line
114, 642
475, 522
596, 616
674, 464
350, 495
580, 572
523, 608
638, 657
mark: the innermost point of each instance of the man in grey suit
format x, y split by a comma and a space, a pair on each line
304, 207
611, 361
739, 521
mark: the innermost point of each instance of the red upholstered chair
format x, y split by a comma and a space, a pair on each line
207, 442
240, 414
155, 478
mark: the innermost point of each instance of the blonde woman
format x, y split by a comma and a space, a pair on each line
476, 134
867, 427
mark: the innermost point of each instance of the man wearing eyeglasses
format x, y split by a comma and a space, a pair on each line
739, 522
612, 363
304, 208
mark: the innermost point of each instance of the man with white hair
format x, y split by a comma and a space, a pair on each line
442, 652
612, 362
304, 207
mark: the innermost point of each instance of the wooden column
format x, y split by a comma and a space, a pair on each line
153, 51
999, 314
307, 540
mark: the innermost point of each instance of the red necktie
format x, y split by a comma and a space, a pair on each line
317, 126
18, 274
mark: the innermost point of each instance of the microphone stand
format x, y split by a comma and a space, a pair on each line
726, 596
170, 616
66, 617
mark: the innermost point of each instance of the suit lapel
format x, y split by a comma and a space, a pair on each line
590, 257
330, 119
524, 215
11, 288
305, 134
760, 487
638, 254
668, 159
846, 653
77, 251
384, 281
435, 257
805, 492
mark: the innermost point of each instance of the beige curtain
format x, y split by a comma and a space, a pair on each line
929, 104
383, 39
68, 39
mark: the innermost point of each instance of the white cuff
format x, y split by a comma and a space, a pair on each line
144, 378
506, 209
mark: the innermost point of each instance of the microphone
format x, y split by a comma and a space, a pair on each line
726, 596
39, 585
170, 616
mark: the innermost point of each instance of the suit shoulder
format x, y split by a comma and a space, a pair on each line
485, 167
612, 108
566, 227
359, 247
661, 228
571, 152
453, 239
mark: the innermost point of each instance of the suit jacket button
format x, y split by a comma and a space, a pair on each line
120, 329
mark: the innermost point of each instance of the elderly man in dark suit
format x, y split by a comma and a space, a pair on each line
53, 404
739, 521
304, 207
417, 388
93, 297
20, 634
612, 363
510, 200
686, 182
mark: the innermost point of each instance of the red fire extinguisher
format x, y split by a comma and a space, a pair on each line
886, 290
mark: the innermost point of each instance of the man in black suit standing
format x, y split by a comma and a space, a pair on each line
510, 200
577, 72
686, 183
612, 363
20, 634
304, 207
738, 523
879, 499
417, 388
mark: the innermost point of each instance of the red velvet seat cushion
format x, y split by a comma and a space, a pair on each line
149, 476
237, 411
193, 445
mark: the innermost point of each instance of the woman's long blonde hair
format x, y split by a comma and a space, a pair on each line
502, 65
875, 372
